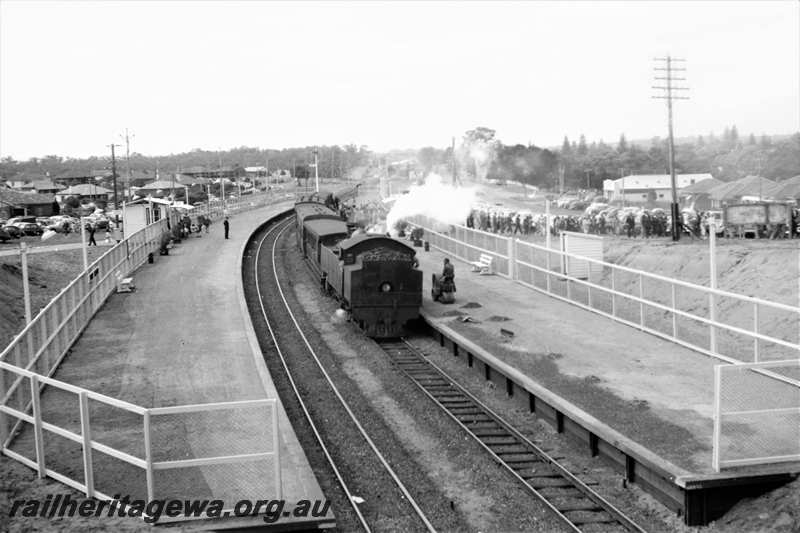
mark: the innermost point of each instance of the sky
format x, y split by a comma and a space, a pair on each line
213, 75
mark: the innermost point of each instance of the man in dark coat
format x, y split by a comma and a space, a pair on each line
92, 229
227, 226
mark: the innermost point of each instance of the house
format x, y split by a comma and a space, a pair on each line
215, 173
159, 189
255, 172
75, 177
46, 186
641, 188
84, 192
788, 189
749, 187
15, 204
697, 195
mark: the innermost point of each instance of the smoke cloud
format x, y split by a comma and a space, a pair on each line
435, 199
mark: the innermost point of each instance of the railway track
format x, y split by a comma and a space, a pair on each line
573, 502
290, 346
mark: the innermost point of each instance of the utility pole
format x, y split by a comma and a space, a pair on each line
128, 161
668, 95
114, 173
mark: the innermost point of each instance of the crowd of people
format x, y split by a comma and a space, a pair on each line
628, 221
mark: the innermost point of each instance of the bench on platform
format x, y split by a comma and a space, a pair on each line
125, 284
484, 265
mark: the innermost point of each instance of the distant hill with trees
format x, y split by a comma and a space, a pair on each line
585, 165
334, 161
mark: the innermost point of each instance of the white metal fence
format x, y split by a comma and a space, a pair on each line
732, 327
757, 398
756, 413
103, 446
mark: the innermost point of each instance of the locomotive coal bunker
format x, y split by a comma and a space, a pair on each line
373, 276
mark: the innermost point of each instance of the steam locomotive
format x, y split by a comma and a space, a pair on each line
373, 276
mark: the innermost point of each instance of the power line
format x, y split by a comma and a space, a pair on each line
668, 94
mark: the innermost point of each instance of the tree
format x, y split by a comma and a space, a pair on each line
700, 141
566, 149
582, 149
622, 145
765, 141
478, 151
751, 140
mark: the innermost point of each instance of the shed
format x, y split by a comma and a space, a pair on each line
143, 212
733, 191
15, 203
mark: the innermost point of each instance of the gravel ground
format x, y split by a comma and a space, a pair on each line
448, 474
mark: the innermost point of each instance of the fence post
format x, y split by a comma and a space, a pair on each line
3, 418
717, 420
276, 446
512, 258
613, 292
712, 304
26, 290
641, 302
88, 469
755, 330
148, 456
674, 315
37, 425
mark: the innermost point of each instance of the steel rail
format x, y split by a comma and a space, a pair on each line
433, 381
310, 420
335, 389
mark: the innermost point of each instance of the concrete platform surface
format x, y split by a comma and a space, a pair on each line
654, 392
182, 338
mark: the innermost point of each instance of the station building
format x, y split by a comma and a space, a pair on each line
653, 188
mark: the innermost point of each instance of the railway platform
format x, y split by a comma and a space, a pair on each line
184, 337
643, 403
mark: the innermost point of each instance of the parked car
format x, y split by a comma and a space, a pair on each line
13, 231
20, 220
31, 228
4, 236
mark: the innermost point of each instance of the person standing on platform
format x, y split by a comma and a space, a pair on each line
227, 226
92, 229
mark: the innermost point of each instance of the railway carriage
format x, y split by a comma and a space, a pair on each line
374, 276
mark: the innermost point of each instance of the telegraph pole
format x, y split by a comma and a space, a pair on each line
668, 95
114, 172
128, 161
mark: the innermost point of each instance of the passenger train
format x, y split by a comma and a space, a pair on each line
373, 276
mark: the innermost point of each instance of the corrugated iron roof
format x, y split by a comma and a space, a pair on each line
747, 186
702, 186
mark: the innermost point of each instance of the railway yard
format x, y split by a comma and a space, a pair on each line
488, 415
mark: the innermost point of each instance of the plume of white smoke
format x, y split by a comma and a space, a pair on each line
435, 199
